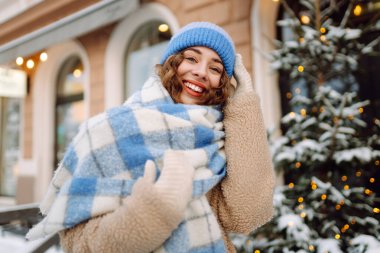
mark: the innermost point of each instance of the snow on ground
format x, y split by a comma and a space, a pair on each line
10, 243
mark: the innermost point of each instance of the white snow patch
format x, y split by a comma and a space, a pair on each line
17, 244
328, 245
368, 242
363, 154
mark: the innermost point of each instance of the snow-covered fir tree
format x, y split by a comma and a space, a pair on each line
329, 155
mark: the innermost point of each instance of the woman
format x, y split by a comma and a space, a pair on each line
195, 70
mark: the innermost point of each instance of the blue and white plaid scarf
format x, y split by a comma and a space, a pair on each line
108, 155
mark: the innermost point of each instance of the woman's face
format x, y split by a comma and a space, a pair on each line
200, 70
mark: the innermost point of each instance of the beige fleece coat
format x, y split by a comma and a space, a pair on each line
242, 201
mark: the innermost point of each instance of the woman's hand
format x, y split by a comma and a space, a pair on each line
175, 184
147, 218
243, 79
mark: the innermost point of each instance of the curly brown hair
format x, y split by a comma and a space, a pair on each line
169, 78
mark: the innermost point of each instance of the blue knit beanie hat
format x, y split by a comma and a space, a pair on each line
204, 34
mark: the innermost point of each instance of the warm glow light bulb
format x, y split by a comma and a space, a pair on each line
43, 56
77, 73
163, 28
305, 19
19, 61
358, 10
30, 64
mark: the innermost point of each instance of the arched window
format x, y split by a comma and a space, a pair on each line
143, 53
9, 144
69, 113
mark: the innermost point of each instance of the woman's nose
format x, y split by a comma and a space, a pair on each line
200, 71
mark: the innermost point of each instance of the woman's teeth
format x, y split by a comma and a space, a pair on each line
193, 87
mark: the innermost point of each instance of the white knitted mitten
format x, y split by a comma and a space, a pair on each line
243, 79
175, 184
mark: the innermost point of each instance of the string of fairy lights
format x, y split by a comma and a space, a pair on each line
30, 63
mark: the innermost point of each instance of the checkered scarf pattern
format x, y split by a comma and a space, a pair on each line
108, 155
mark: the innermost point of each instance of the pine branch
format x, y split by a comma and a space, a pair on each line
339, 116
292, 16
347, 14
370, 45
334, 6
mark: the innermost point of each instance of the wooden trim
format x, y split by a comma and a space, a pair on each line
38, 16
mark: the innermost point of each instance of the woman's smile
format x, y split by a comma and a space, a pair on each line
193, 87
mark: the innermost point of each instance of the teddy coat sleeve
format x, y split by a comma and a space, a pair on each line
140, 225
243, 200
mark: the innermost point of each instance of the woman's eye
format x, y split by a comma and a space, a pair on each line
191, 59
216, 70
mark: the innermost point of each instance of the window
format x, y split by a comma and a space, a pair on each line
69, 112
9, 144
143, 53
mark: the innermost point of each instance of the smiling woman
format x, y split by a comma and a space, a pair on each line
183, 126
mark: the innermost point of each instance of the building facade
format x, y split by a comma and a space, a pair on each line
83, 57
